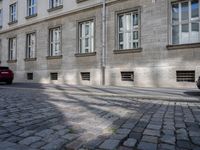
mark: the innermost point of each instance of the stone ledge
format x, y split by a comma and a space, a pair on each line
31, 16
30, 59
55, 8
11, 61
13, 22
182, 46
137, 50
85, 54
54, 57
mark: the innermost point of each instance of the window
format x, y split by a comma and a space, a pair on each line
13, 12
185, 76
31, 7
1, 18
55, 3
86, 37
85, 76
30, 45
127, 76
29, 76
55, 42
185, 22
54, 76
12, 45
128, 30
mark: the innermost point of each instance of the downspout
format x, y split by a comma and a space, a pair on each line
103, 61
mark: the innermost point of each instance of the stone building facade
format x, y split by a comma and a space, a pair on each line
148, 43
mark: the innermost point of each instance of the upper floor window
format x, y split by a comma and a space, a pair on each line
13, 12
31, 7
55, 3
30, 45
128, 30
86, 37
1, 18
185, 22
12, 49
55, 41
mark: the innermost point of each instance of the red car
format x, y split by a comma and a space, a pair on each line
6, 75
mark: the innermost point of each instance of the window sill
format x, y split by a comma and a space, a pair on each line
183, 46
11, 61
31, 16
54, 57
30, 59
85, 54
13, 22
55, 8
137, 50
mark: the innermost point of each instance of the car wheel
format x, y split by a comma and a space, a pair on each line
9, 82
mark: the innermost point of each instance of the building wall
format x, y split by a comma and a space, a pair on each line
154, 66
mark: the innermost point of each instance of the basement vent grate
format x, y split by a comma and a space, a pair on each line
127, 76
54, 76
185, 76
85, 76
29, 76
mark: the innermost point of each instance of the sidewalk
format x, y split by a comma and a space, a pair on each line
132, 92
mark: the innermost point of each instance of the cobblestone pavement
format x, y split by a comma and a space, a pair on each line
37, 119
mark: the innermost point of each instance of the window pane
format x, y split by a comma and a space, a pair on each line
194, 36
121, 23
184, 11
175, 10
175, 34
194, 8
185, 34
135, 20
128, 22
135, 35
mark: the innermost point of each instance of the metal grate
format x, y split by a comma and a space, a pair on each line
127, 76
185, 76
54, 76
29, 76
85, 76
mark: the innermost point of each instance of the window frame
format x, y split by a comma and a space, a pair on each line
1, 17
13, 16
53, 4
27, 53
50, 51
184, 22
79, 37
32, 6
126, 11
11, 57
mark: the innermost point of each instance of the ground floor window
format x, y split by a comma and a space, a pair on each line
185, 76
127, 76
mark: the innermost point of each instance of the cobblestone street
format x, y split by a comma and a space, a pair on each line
39, 119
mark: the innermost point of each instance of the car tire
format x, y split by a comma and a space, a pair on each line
9, 82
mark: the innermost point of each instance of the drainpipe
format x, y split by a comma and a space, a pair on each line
103, 61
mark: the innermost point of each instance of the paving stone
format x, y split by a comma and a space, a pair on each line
70, 136
45, 133
147, 146
168, 139
110, 144
196, 140
166, 147
183, 144
30, 140
135, 135
150, 139
54, 145
154, 127
37, 144
123, 131
130, 142
168, 132
152, 132
118, 136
